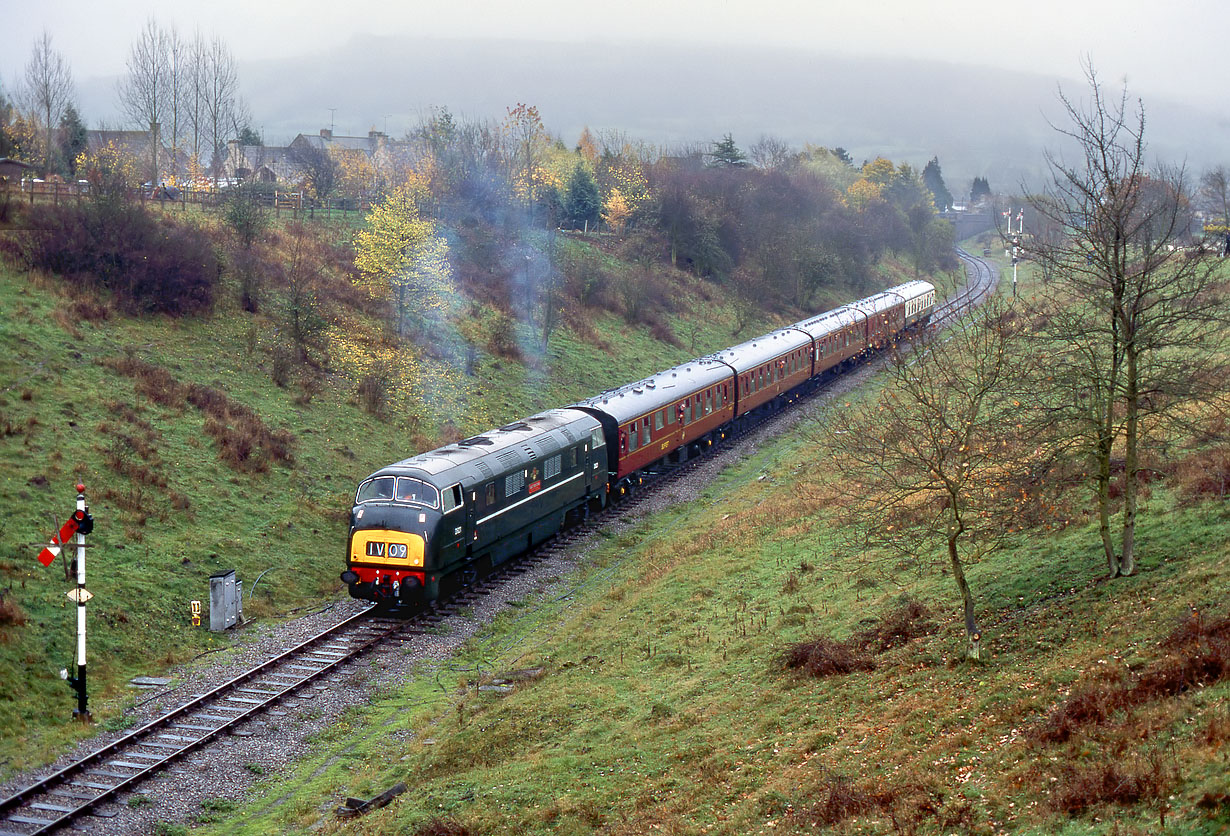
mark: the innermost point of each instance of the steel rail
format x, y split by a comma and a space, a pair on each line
67, 778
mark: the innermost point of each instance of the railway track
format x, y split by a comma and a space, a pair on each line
77, 790
982, 277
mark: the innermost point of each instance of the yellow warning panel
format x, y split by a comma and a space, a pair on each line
380, 547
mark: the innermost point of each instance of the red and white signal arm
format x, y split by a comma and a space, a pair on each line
48, 555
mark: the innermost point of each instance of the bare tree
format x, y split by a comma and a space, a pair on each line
1135, 310
928, 462
197, 71
145, 91
1215, 188
221, 106
770, 152
48, 91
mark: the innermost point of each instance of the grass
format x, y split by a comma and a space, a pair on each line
667, 703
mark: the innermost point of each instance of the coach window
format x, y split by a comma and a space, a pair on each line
659, 419
647, 437
632, 436
708, 401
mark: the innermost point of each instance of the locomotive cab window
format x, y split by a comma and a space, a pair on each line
417, 491
375, 490
596, 439
452, 498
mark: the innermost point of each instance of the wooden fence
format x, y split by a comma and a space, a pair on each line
292, 204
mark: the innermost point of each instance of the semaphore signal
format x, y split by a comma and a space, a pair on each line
79, 524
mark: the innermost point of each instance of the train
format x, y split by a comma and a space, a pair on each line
424, 526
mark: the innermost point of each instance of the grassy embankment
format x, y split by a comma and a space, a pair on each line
147, 412
664, 704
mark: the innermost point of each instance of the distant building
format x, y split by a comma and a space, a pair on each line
287, 166
12, 171
172, 163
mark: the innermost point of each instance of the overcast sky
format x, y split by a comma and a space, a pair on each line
1174, 49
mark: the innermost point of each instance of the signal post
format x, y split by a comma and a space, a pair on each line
79, 524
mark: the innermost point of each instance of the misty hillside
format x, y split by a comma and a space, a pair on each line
979, 121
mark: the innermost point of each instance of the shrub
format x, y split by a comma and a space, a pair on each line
1112, 781
151, 264
828, 657
1198, 654
374, 388
908, 621
11, 612
443, 827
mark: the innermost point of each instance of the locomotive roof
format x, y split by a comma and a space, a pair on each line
764, 348
506, 447
659, 390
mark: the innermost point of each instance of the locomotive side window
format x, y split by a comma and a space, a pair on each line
490, 494
417, 491
375, 490
572, 459
452, 498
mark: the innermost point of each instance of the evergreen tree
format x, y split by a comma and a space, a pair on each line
934, 181
70, 140
247, 136
583, 203
726, 154
980, 189
7, 112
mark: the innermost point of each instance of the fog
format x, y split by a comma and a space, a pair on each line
978, 121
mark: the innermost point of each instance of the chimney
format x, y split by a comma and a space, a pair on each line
326, 133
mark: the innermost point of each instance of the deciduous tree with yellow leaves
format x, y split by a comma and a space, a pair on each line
399, 254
